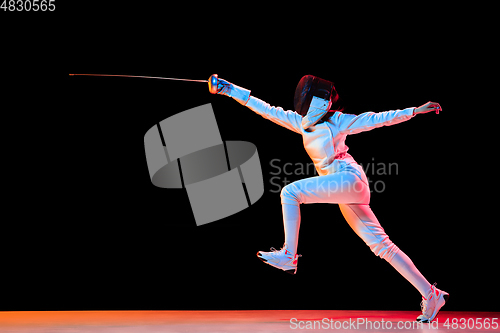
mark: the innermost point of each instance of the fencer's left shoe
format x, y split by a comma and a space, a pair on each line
282, 259
432, 304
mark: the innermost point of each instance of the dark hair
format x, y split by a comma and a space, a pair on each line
321, 87
309, 86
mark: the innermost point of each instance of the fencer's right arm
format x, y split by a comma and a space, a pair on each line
288, 119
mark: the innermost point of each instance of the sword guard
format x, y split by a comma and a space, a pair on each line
213, 82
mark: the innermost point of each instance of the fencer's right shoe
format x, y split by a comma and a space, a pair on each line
432, 304
282, 259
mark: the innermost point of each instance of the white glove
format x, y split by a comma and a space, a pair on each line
241, 95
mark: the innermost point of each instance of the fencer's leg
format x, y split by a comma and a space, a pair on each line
334, 188
291, 223
365, 225
286, 258
403, 264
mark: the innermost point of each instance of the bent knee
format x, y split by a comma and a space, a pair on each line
290, 194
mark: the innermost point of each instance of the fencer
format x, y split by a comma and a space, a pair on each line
324, 128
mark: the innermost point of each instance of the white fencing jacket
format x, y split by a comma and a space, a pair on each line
325, 142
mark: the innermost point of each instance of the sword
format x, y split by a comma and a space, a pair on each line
213, 80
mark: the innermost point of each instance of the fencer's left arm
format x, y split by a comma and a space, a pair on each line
352, 124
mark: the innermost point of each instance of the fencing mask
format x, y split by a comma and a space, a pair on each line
313, 98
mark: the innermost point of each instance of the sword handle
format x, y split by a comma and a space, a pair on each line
213, 82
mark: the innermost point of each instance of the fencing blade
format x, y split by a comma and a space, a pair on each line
141, 77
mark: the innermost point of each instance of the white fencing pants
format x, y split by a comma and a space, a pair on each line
349, 188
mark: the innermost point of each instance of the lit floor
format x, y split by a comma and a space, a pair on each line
244, 321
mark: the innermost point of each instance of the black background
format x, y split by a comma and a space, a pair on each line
85, 228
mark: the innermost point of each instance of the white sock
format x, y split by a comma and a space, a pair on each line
403, 264
291, 222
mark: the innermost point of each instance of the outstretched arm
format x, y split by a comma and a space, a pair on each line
352, 124
288, 119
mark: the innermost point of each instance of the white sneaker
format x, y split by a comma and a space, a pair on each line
282, 259
432, 304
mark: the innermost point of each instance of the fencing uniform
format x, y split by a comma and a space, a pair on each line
341, 180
